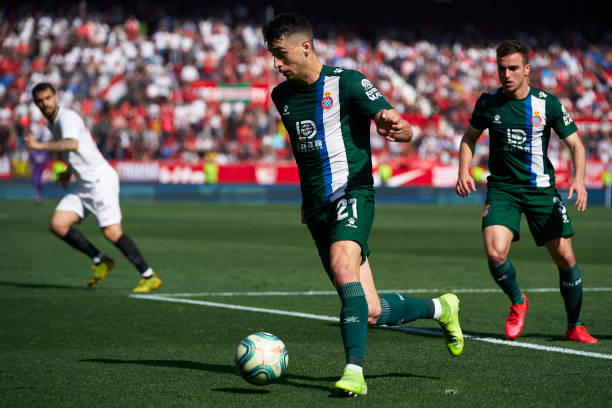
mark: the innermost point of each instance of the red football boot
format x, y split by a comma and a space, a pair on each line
579, 333
516, 318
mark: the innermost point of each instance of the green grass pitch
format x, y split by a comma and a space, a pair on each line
64, 345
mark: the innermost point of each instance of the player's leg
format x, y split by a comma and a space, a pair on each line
497, 241
369, 288
103, 202
570, 284
69, 211
352, 382
114, 233
61, 225
551, 227
394, 309
501, 221
148, 280
345, 259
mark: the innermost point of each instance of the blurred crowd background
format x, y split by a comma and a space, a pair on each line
146, 79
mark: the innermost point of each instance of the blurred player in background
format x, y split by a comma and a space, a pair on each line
327, 112
520, 118
97, 190
38, 160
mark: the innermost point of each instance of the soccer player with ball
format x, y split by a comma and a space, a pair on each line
327, 112
520, 118
97, 190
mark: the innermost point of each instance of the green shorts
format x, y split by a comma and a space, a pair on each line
349, 218
546, 215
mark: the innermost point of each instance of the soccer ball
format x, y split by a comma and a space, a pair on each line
261, 358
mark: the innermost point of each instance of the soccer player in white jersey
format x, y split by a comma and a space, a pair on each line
97, 190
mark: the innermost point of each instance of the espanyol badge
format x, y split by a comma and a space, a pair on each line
536, 119
327, 101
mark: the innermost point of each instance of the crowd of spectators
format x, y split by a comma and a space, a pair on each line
140, 86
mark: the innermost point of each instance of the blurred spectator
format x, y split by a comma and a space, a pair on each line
178, 88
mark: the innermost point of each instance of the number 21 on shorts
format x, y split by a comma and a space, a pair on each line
342, 208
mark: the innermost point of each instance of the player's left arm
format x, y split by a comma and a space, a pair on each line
579, 160
392, 126
63, 145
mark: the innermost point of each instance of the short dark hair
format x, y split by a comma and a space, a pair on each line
286, 24
511, 47
41, 87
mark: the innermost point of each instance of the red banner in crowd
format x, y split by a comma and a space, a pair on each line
404, 173
256, 94
417, 173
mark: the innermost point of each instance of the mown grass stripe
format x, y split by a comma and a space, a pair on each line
166, 298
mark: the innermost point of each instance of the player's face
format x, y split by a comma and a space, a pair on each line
289, 56
513, 72
46, 101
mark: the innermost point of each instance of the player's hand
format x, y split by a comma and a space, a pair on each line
581, 195
31, 142
392, 126
465, 184
63, 179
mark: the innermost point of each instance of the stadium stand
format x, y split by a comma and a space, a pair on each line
194, 87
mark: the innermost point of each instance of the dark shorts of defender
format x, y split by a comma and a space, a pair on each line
544, 210
349, 218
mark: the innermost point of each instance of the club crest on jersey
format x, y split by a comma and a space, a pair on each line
327, 101
536, 119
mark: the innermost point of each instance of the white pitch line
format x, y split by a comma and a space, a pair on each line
236, 307
333, 292
166, 298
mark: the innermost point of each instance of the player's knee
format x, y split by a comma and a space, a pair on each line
342, 273
566, 259
112, 233
58, 228
496, 257
562, 252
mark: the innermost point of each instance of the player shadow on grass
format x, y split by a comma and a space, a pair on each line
288, 379
470, 335
42, 285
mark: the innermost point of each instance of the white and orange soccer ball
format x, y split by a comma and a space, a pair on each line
261, 358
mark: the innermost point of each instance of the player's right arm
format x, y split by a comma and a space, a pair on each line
465, 181
63, 145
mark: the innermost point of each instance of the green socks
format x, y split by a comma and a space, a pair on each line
400, 309
571, 290
353, 321
505, 276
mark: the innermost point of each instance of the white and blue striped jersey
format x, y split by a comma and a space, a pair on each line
329, 126
519, 134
